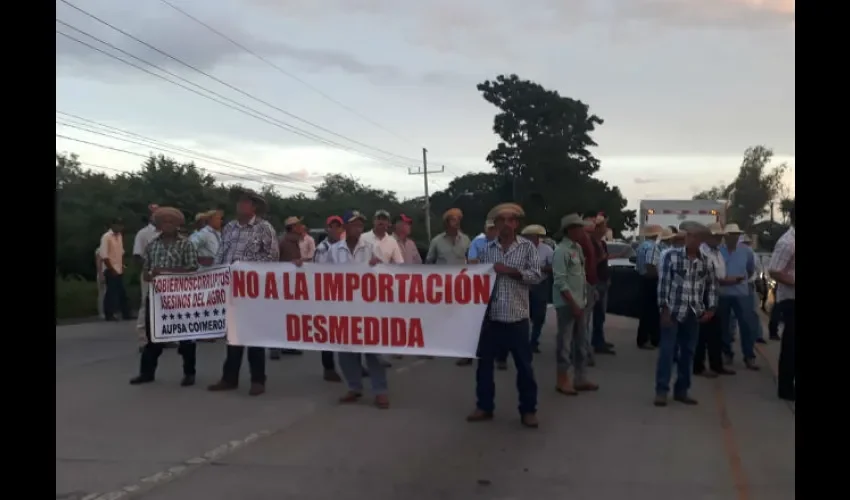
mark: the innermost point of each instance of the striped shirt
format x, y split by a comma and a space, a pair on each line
684, 284
784, 260
176, 254
509, 302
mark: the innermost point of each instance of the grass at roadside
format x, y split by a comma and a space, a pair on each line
77, 298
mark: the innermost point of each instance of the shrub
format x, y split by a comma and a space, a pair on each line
77, 298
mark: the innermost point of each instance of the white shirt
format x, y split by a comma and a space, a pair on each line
545, 253
715, 260
143, 239
784, 259
340, 253
385, 248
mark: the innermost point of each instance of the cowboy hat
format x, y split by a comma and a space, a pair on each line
166, 212
256, 199
534, 230
505, 209
571, 220
744, 238
716, 228
733, 228
291, 221
652, 230
693, 227
352, 215
488, 224
453, 212
666, 234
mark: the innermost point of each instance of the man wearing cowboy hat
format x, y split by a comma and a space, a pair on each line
450, 246
735, 298
291, 250
140, 242
517, 267
648, 256
710, 337
570, 292
603, 273
167, 253
539, 293
687, 296
248, 238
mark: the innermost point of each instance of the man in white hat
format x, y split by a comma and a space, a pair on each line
517, 268
570, 292
783, 269
648, 255
710, 336
539, 294
687, 296
735, 299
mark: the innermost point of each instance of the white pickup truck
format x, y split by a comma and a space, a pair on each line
673, 212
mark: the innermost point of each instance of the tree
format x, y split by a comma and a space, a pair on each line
755, 187
785, 207
543, 159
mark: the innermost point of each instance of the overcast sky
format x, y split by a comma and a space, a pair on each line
684, 86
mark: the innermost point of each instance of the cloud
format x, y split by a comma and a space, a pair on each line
643, 180
185, 40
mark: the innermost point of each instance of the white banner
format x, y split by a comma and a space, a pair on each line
397, 309
189, 306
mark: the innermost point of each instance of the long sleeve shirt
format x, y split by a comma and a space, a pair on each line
255, 241
686, 284
509, 302
568, 271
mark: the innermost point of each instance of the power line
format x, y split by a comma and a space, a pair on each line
219, 98
283, 71
162, 145
119, 150
230, 86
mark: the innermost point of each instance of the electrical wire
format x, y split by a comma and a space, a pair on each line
170, 148
215, 96
230, 86
284, 72
214, 172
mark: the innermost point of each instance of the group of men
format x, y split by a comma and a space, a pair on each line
696, 283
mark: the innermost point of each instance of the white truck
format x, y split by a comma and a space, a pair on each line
674, 212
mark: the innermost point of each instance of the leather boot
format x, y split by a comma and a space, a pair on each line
564, 385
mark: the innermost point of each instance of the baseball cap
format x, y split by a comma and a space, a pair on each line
404, 218
332, 219
382, 213
351, 215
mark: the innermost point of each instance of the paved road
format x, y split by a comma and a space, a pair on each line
163, 442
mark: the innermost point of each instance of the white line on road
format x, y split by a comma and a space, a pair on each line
147, 483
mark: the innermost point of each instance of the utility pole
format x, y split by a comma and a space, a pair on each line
424, 172
771, 213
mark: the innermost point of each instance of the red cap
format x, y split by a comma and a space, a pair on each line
333, 218
405, 218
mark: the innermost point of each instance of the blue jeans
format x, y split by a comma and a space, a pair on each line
679, 337
599, 311
742, 307
349, 362
499, 337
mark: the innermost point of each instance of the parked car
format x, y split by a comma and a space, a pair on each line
616, 247
624, 292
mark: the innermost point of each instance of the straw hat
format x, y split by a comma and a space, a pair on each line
259, 202
745, 239
666, 234
505, 209
733, 228
488, 224
169, 212
716, 229
653, 230
453, 212
692, 227
291, 221
534, 230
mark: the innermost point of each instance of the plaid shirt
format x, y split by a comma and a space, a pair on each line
648, 253
509, 302
255, 241
684, 284
179, 254
784, 259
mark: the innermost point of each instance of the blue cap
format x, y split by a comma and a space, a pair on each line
350, 215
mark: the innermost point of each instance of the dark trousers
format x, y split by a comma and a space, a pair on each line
775, 320
787, 379
328, 360
537, 311
709, 342
233, 363
151, 352
649, 327
115, 299
496, 338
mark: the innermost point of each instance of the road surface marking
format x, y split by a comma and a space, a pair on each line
150, 482
730, 445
